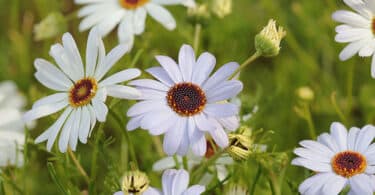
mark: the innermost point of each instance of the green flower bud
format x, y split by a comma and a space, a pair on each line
305, 94
240, 144
51, 26
267, 42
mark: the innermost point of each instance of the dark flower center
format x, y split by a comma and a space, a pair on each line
349, 163
186, 99
211, 148
82, 92
132, 4
373, 26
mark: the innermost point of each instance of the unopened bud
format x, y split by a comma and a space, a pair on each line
135, 182
51, 26
240, 144
305, 93
222, 8
267, 42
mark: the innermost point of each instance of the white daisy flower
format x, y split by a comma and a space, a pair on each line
130, 15
358, 30
339, 159
175, 182
12, 137
185, 102
217, 169
82, 90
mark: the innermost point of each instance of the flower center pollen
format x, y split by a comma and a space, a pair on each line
349, 163
132, 4
186, 99
82, 92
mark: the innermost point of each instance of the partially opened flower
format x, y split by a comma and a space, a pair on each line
12, 137
186, 102
129, 15
82, 90
175, 182
358, 29
339, 159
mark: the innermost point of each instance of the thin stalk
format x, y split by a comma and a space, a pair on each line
159, 146
350, 89
185, 162
338, 110
309, 121
246, 63
257, 176
197, 33
197, 173
79, 166
217, 184
176, 162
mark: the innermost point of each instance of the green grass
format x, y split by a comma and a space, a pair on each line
309, 57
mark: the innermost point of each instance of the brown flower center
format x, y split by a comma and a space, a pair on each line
373, 26
186, 99
132, 4
349, 163
211, 148
82, 92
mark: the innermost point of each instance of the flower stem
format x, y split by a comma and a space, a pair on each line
198, 172
350, 89
78, 165
309, 121
197, 33
257, 176
337, 109
246, 63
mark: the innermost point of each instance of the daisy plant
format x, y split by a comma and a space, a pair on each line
185, 103
339, 159
81, 89
129, 15
358, 29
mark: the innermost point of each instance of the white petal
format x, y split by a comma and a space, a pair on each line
181, 181
173, 137
317, 148
219, 135
65, 133
122, 76
352, 137
364, 138
340, 135
126, 31
203, 123
50, 81
57, 51
161, 75
351, 18
139, 20
74, 132
165, 163
355, 34
111, 59
230, 123
221, 110
84, 128
368, 49
373, 66
49, 69
351, 49
327, 140
151, 84
152, 191
359, 7
170, 67
52, 99
161, 15
194, 190
44, 110
314, 166
314, 183
123, 92
311, 155
100, 109
203, 68
92, 51
146, 106
134, 123
220, 75
110, 22
360, 184
186, 61
226, 90
72, 52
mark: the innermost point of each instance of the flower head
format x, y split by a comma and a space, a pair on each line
358, 29
186, 102
135, 182
129, 15
240, 144
267, 42
12, 136
339, 159
82, 90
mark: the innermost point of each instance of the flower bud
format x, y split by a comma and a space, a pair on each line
222, 8
267, 42
200, 11
240, 144
305, 93
236, 189
135, 182
51, 26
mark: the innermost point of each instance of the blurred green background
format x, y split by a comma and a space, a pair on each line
309, 57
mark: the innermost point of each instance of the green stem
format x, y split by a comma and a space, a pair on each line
176, 162
217, 185
197, 32
185, 162
79, 166
350, 89
309, 121
198, 172
257, 176
246, 63
337, 109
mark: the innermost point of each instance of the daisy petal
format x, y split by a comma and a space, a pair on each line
186, 60
340, 134
44, 110
161, 15
170, 67
121, 76
123, 92
221, 110
203, 68
220, 75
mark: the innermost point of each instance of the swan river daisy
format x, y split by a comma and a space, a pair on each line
82, 90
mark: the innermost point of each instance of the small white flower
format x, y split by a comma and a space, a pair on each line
339, 159
186, 103
12, 137
175, 182
358, 30
129, 15
82, 90
218, 167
